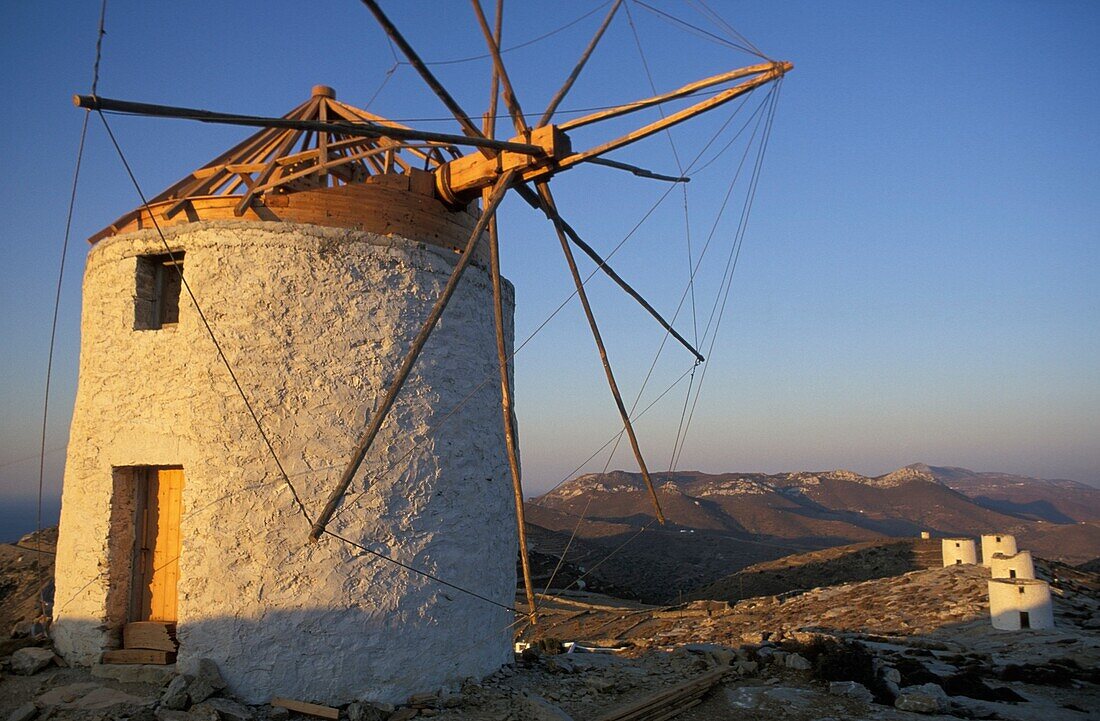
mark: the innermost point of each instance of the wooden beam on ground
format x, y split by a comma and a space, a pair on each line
669, 702
149, 635
138, 656
310, 709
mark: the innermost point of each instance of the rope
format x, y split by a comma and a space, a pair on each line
524, 44
57, 306
684, 426
739, 239
420, 572
719, 20
752, 50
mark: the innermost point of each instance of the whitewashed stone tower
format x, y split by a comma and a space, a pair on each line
314, 282
1019, 565
958, 551
993, 543
1017, 603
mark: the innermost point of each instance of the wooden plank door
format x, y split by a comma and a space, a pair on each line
157, 572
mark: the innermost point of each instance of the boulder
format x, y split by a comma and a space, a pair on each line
225, 709
207, 681
797, 662
851, 689
30, 660
64, 694
360, 711
718, 655
746, 668
175, 697
536, 708
203, 712
26, 712
167, 714
926, 698
152, 674
102, 698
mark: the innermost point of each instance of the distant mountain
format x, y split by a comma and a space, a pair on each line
807, 507
1055, 501
720, 523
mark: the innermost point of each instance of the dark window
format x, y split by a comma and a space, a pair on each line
1012, 573
1021, 589
957, 545
998, 538
958, 561
157, 290
1025, 619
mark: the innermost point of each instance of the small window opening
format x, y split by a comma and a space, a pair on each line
997, 538
1021, 589
958, 545
157, 290
958, 561
1025, 619
1012, 573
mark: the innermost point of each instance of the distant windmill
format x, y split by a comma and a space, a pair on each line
327, 165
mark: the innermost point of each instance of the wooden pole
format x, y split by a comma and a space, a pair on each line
510, 99
568, 84
403, 371
534, 201
548, 205
362, 129
391, 30
680, 116
680, 92
507, 413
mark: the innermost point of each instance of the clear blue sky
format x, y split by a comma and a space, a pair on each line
919, 280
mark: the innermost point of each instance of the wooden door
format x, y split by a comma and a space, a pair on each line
156, 572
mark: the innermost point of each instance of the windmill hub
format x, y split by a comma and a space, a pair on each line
463, 179
323, 91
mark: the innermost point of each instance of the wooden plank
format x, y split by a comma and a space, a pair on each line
150, 635
167, 492
656, 704
138, 656
311, 709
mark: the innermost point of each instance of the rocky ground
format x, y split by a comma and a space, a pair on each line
913, 645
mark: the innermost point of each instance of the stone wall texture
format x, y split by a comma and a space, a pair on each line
314, 321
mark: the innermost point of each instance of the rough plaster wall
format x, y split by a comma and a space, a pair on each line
966, 551
990, 545
314, 320
1006, 601
1001, 565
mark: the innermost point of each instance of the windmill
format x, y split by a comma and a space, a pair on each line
328, 148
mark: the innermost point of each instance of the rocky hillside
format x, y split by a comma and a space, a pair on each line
26, 567
1054, 501
806, 511
829, 567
